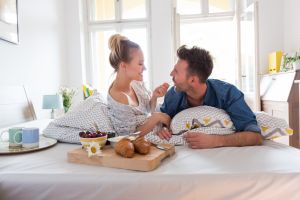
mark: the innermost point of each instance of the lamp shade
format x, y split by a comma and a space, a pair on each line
52, 101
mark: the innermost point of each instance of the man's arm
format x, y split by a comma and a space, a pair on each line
207, 141
240, 114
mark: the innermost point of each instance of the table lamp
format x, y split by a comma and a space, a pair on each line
52, 102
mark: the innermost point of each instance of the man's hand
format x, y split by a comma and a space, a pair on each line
238, 139
164, 133
201, 140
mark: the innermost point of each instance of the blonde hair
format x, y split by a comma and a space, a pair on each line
120, 48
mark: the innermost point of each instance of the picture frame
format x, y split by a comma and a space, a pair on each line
9, 28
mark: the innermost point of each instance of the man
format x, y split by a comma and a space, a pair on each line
193, 88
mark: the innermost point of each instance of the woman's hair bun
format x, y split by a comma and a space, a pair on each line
120, 50
114, 42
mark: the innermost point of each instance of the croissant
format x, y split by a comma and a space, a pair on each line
125, 148
141, 145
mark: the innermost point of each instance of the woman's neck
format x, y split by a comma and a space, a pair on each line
122, 84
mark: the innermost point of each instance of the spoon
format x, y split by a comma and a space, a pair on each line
134, 135
163, 147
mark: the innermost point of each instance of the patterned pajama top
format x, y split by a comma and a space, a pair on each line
126, 118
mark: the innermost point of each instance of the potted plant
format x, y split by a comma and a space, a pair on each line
287, 63
296, 61
67, 94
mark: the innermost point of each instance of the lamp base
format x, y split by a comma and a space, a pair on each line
52, 114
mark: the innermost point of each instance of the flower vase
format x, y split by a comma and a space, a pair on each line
296, 65
66, 108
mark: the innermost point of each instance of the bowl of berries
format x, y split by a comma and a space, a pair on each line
87, 137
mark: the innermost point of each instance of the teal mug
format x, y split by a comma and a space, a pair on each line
14, 136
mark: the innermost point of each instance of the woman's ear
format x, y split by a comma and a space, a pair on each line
122, 65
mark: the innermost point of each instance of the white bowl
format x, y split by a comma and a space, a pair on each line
114, 140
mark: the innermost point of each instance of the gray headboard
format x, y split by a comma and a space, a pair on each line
15, 106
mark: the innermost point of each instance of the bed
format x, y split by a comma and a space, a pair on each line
270, 171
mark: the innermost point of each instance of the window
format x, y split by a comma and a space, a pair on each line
214, 26
128, 17
210, 25
248, 53
188, 7
221, 6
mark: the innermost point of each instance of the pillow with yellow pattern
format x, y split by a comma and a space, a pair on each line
212, 120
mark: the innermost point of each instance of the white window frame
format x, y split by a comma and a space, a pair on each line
205, 16
117, 24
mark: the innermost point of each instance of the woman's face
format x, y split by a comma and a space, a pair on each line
134, 69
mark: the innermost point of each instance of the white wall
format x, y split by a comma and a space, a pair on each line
72, 24
40, 60
75, 55
278, 29
291, 26
161, 41
271, 27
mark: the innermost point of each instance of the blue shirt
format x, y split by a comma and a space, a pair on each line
219, 94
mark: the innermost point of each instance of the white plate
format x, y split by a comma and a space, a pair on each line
43, 144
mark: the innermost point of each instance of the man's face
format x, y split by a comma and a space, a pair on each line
180, 75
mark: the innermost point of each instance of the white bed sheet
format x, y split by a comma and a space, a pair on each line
271, 171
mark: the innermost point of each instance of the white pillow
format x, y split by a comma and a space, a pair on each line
272, 127
212, 120
84, 116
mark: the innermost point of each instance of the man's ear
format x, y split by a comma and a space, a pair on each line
194, 79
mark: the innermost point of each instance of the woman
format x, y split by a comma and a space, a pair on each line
131, 106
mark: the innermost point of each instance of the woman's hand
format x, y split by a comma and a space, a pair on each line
152, 121
162, 118
164, 133
161, 90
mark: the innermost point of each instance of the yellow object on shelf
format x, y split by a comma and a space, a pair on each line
87, 90
275, 61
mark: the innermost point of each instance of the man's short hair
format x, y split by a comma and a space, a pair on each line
199, 61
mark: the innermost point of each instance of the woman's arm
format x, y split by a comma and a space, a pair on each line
160, 91
152, 121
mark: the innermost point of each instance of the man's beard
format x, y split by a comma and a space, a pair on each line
177, 88
181, 88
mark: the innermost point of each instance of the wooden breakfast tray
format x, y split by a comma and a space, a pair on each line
109, 158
